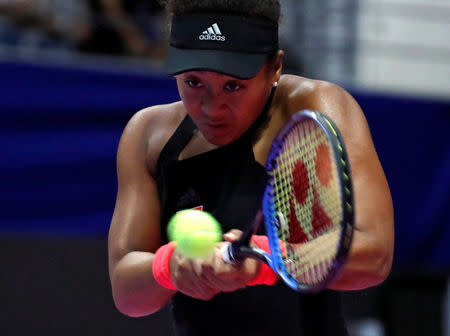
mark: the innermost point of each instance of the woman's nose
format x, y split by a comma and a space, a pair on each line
213, 103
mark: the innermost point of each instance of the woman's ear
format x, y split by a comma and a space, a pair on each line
277, 68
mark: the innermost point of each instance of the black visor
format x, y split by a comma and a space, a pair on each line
233, 45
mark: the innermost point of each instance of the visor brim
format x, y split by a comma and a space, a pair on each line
234, 64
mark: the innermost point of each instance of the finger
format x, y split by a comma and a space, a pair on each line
224, 276
219, 276
198, 294
205, 283
197, 289
225, 285
232, 235
202, 270
188, 282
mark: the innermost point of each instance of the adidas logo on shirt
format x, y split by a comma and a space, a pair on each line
213, 33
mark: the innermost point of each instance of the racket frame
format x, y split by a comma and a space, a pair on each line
271, 219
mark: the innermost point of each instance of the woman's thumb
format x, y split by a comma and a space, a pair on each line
232, 235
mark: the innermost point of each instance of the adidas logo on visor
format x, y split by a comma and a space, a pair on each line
213, 33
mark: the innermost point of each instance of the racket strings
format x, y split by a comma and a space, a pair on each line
310, 262
306, 193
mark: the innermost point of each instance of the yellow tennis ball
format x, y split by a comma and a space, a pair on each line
195, 233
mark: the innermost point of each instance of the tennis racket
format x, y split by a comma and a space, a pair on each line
307, 206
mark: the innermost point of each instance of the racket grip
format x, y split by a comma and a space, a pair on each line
265, 276
161, 265
227, 254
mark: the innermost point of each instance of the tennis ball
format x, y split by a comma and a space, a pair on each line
195, 233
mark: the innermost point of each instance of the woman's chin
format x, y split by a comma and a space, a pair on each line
222, 140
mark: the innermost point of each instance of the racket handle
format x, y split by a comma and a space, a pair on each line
230, 251
265, 276
228, 254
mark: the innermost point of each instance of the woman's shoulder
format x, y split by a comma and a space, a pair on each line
158, 115
297, 86
299, 93
152, 128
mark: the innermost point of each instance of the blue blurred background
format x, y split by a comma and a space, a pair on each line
73, 72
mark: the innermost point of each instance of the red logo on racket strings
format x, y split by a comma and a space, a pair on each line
320, 220
300, 182
296, 234
323, 165
301, 186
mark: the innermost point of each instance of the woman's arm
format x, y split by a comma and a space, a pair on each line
371, 254
135, 228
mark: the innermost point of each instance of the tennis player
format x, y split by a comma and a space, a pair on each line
207, 152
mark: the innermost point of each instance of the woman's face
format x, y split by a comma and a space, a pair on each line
223, 107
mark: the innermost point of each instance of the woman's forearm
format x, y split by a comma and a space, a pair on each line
136, 293
368, 264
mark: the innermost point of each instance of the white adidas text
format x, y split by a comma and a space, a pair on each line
213, 33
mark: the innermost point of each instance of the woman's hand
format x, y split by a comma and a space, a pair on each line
204, 278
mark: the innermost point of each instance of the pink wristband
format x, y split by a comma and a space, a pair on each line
263, 243
161, 265
266, 275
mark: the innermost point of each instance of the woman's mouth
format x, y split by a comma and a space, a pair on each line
215, 125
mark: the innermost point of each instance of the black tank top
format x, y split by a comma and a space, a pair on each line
228, 182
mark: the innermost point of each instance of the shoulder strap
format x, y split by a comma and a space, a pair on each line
178, 141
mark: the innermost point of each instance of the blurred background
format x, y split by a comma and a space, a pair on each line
73, 72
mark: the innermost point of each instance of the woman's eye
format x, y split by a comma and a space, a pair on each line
193, 83
232, 86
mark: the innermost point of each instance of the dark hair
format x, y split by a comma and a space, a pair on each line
268, 9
